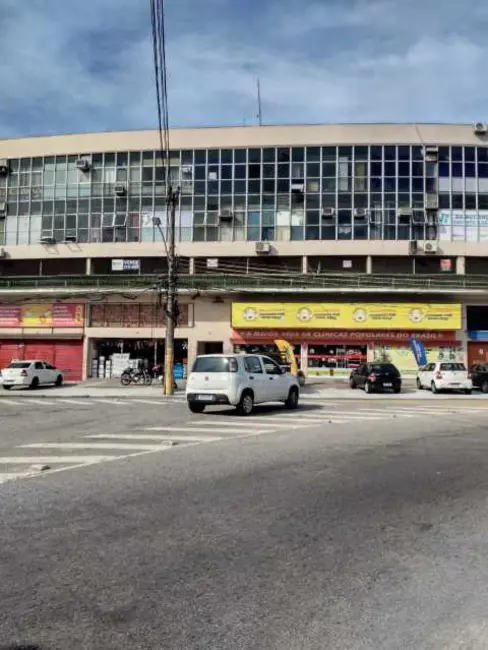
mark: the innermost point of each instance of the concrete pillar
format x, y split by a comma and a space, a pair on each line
304, 264
88, 270
460, 265
369, 265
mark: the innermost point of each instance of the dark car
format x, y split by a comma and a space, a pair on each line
479, 376
376, 377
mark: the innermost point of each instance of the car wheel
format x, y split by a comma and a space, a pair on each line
468, 391
246, 404
352, 383
433, 388
34, 383
59, 380
7, 387
292, 399
368, 388
484, 387
397, 388
195, 407
301, 378
419, 384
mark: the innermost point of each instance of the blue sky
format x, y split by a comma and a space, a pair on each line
87, 66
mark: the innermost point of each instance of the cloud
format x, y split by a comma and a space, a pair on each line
70, 67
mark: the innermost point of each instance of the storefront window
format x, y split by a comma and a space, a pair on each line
334, 359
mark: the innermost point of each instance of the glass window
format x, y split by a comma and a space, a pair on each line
329, 154
376, 153
253, 365
298, 154
213, 156
390, 153
269, 155
283, 154
404, 153
360, 153
313, 154
200, 157
457, 154
240, 156
254, 155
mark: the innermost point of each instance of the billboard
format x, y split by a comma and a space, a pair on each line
42, 315
365, 316
463, 225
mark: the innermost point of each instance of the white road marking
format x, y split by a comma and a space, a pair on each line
8, 476
75, 401
192, 429
10, 402
112, 402
147, 401
347, 414
152, 436
89, 445
41, 402
47, 460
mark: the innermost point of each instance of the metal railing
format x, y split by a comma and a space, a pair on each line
217, 281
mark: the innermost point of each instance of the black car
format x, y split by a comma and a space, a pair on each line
376, 377
479, 375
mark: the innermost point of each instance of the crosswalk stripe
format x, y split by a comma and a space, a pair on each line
8, 476
152, 436
112, 402
10, 401
76, 401
194, 429
41, 402
348, 414
147, 401
53, 460
91, 445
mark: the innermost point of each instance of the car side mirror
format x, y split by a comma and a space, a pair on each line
283, 371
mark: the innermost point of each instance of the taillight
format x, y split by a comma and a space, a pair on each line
438, 375
372, 378
469, 375
23, 373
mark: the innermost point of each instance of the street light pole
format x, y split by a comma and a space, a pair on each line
171, 295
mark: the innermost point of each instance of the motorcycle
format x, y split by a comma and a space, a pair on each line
135, 376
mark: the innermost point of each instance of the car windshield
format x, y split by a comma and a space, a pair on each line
450, 367
19, 364
211, 364
384, 367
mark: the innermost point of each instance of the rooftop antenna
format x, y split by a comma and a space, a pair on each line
260, 108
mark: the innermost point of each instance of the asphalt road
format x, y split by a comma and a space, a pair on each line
367, 529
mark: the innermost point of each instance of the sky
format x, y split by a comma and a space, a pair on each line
70, 66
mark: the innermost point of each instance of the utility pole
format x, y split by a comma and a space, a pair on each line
171, 294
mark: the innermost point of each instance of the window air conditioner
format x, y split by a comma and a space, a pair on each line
70, 239
404, 212
47, 240
413, 247
431, 202
480, 128
360, 213
431, 154
430, 247
3, 209
263, 247
3, 166
83, 164
3, 253
120, 190
226, 215
328, 212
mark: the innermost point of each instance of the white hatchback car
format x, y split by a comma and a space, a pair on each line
31, 374
445, 375
240, 380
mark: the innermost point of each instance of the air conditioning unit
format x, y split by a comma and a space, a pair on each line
404, 212
120, 190
70, 239
431, 202
297, 187
328, 212
480, 128
3, 253
83, 164
3, 209
413, 247
3, 166
430, 247
47, 240
360, 213
226, 215
263, 247
431, 154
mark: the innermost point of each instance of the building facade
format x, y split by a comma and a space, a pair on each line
304, 226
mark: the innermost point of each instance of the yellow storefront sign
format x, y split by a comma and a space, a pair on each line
361, 316
37, 315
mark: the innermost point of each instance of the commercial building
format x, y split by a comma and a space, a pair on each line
345, 240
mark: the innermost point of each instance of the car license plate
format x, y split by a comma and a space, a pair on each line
205, 398
388, 385
455, 383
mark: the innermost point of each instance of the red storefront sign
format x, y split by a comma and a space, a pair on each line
383, 337
42, 315
10, 316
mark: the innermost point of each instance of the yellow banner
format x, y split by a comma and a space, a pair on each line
37, 315
361, 316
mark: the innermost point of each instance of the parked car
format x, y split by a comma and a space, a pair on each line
376, 377
479, 377
444, 375
31, 374
240, 380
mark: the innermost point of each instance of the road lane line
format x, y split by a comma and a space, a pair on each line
192, 429
112, 402
152, 436
75, 401
46, 460
10, 402
8, 476
40, 402
90, 445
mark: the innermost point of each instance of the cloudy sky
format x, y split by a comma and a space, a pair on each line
71, 66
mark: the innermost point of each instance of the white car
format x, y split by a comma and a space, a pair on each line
31, 374
445, 375
240, 380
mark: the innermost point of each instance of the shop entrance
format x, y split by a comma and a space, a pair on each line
334, 359
109, 355
210, 347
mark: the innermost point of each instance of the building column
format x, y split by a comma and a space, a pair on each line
369, 265
88, 269
191, 266
304, 264
461, 265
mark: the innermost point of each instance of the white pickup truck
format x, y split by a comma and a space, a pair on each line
240, 380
